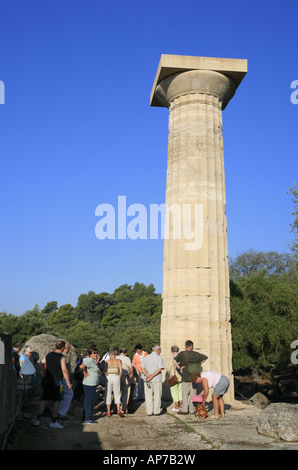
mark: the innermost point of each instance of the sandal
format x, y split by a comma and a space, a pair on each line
120, 414
108, 413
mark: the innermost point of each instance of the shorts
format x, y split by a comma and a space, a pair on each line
222, 387
52, 390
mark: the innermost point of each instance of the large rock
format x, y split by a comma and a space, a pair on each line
279, 420
259, 400
42, 344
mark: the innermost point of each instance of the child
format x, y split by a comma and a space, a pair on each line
219, 383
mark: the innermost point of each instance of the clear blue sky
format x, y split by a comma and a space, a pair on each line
77, 130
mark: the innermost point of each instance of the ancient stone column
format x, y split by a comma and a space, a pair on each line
196, 298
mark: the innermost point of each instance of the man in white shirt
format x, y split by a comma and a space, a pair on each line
152, 365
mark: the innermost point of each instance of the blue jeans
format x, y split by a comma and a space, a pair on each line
89, 396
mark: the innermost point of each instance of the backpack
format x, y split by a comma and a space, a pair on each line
78, 373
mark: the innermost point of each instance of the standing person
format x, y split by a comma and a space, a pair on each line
102, 367
26, 353
219, 383
90, 369
113, 371
27, 367
176, 390
16, 358
126, 378
189, 362
78, 390
137, 362
152, 365
53, 385
67, 392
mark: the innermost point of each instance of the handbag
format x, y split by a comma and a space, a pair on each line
197, 399
27, 368
173, 380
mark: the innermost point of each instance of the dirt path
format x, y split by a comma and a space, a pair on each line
135, 431
139, 432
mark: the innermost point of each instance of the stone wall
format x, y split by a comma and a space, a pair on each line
8, 383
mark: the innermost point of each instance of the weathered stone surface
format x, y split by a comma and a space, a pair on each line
279, 420
42, 345
196, 296
259, 400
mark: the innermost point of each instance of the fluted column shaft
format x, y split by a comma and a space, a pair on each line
196, 281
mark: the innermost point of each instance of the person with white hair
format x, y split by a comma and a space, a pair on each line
152, 366
26, 353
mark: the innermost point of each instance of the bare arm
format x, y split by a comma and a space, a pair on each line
65, 372
120, 367
177, 365
150, 376
205, 389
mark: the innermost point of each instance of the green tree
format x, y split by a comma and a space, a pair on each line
91, 307
253, 261
146, 306
82, 334
8, 323
50, 307
62, 321
264, 317
147, 335
122, 294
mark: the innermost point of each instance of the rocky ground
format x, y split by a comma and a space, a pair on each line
139, 432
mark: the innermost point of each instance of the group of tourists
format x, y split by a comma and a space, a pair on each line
192, 385
123, 380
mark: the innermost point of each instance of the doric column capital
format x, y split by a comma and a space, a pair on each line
195, 82
179, 75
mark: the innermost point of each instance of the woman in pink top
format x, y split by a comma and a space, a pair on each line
219, 383
137, 362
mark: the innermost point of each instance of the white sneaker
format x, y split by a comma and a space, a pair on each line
56, 425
